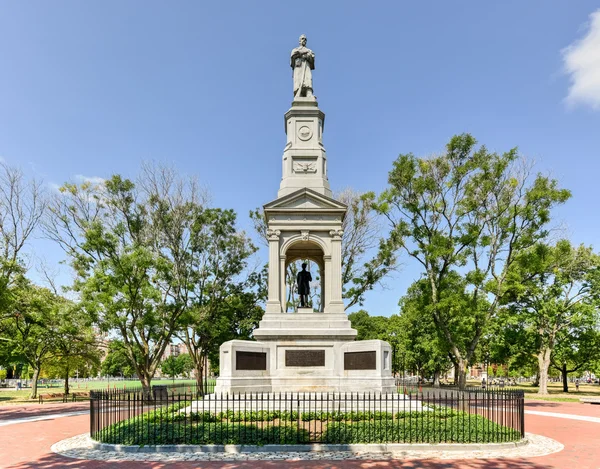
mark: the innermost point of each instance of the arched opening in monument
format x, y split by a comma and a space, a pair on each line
297, 254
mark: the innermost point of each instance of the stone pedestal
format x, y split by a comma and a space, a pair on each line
306, 363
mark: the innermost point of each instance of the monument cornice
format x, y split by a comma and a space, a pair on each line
302, 111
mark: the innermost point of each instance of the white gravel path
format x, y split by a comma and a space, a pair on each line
81, 447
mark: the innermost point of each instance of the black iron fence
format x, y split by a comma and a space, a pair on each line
186, 415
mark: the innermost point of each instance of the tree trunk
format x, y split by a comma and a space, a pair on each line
543, 365
66, 391
36, 374
565, 379
436, 380
462, 373
199, 369
146, 381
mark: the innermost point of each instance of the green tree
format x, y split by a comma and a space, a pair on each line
369, 327
223, 300
75, 343
127, 244
34, 326
466, 211
423, 347
117, 361
172, 367
554, 294
185, 363
577, 349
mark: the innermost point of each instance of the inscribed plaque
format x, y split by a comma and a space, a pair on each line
360, 360
305, 358
250, 360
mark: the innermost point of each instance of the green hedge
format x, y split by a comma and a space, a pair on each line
169, 426
427, 429
168, 433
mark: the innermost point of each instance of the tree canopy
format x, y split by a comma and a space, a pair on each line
467, 212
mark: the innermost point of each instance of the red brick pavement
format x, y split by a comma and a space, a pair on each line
27, 445
32, 410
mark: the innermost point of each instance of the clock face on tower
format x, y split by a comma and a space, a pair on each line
304, 133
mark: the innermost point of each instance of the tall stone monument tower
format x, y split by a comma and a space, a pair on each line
306, 350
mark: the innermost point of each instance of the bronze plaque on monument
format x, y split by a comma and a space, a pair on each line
305, 358
360, 361
250, 360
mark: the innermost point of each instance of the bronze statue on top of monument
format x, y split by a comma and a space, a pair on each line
302, 62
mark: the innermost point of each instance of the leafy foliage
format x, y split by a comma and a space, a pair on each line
554, 299
466, 212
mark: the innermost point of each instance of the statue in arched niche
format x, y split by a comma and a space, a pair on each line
303, 280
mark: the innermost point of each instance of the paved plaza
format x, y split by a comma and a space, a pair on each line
27, 443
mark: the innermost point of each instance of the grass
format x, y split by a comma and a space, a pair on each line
11, 396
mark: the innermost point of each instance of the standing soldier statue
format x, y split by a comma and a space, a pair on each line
303, 61
303, 279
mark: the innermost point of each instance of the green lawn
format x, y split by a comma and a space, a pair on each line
20, 397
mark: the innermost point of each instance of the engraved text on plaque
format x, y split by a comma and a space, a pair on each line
250, 360
305, 358
360, 361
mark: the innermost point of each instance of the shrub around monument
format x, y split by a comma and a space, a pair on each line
169, 425
428, 429
204, 433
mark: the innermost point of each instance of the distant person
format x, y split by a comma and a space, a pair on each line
577, 384
483, 383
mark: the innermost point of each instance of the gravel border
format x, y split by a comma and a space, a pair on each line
309, 448
83, 447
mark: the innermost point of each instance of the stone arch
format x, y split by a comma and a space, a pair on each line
300, 238
300, 248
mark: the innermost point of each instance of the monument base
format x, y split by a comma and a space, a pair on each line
320, 384
305, 363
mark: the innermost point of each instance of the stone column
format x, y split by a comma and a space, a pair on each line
273, 301
322, 272
282, 283
327, 283
336, 304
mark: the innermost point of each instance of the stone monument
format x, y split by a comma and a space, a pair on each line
306, 350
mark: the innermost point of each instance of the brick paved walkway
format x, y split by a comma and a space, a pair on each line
27, 445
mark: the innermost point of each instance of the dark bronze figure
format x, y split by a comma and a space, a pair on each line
303, 279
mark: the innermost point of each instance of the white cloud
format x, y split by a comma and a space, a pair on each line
54, 187
582, 63
91, 179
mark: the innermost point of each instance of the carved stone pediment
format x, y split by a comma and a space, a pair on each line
305, 200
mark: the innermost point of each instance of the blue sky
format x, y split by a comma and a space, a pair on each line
95, 88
